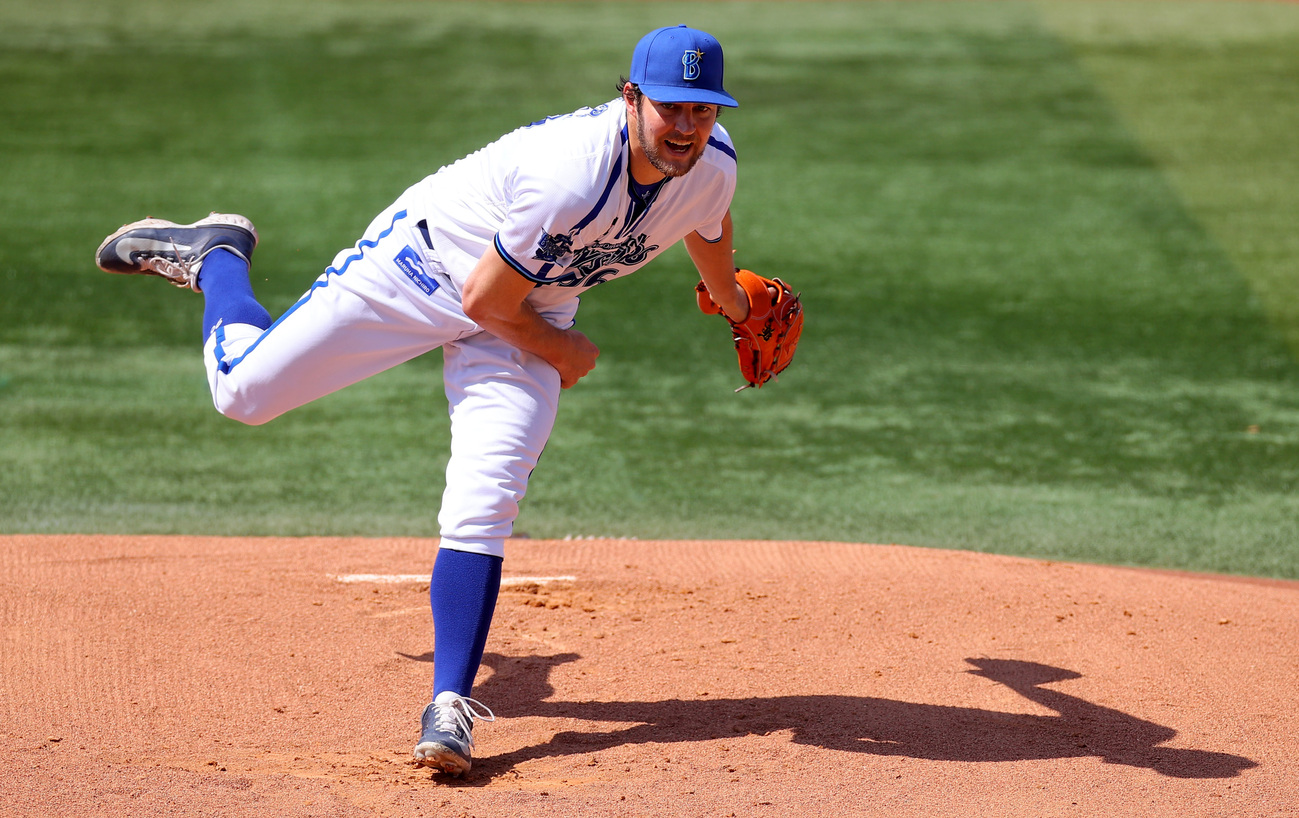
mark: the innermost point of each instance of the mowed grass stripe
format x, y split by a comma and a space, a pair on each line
1212, 92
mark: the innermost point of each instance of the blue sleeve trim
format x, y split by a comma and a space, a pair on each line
538, 277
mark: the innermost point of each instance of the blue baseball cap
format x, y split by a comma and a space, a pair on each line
680, 64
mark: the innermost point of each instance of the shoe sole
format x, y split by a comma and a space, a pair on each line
224, 219
441, 757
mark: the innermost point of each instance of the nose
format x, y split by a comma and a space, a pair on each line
685, 121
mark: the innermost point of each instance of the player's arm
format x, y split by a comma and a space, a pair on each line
493, 298
716, 266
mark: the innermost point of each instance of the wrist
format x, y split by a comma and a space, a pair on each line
737, 307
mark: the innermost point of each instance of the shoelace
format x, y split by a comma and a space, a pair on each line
178, 272
459, 716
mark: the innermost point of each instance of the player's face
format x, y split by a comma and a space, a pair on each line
673, 135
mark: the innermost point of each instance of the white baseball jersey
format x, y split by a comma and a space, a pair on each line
553, 198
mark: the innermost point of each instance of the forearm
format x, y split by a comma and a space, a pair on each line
523, 327
494, 298
716, 265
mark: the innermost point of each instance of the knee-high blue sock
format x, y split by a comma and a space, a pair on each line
463, 597
227, 293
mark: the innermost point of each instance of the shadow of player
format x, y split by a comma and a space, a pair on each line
520, 686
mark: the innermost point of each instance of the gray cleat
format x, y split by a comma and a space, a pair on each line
175, 251
446, 739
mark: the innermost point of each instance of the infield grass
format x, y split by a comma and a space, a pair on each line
1046, 251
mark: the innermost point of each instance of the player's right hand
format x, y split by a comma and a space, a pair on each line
577, 360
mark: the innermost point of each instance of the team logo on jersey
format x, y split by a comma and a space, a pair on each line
599, 261
690, 60
552, 248
595, 263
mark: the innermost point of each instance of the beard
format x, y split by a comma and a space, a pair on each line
667, 165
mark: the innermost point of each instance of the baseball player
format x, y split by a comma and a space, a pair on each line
486, 258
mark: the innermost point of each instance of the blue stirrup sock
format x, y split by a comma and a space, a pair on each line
462, 595
227, 293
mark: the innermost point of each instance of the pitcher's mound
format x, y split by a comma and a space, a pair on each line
152, 676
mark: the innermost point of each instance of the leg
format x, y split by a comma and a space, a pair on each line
365, 314
228, 294
357, 319
462, 596
503, 403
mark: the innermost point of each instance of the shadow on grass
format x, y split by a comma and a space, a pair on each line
520, 687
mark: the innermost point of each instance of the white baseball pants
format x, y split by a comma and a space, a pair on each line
384, 302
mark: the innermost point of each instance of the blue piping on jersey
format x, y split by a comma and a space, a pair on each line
724, 148
614, 173
361, 247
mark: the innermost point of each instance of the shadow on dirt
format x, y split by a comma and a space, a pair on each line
520, 686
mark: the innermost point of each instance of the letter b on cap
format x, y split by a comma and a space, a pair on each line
690, 60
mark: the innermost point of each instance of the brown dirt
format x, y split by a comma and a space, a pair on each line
152, 676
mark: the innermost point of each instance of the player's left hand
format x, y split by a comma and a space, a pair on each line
766, 340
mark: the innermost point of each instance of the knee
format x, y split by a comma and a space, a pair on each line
246, 412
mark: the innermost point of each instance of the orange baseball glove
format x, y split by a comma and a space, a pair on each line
767, 339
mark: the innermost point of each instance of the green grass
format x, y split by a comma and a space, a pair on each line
1210, 93
1048, 309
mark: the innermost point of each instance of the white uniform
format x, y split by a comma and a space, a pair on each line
554, 200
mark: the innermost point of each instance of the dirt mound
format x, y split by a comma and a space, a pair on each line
219, 676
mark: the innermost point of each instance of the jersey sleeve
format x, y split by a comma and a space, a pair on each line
548, 208
536, 237
721, 153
